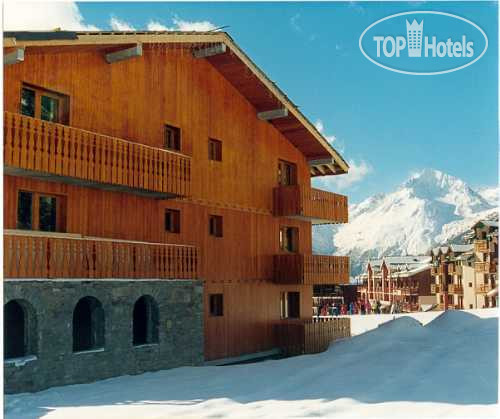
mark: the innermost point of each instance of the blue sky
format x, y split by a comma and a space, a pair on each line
388, 125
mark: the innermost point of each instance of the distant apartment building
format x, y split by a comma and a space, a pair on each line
465, 275
402, 281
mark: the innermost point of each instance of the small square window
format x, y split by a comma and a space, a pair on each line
214, 150
216, 305
470, 284
172, 221
172, 138
471, 306
215, 225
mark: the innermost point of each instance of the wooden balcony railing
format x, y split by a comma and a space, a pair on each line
455, 289
46, 149
483, 288
481, 246
485, 267
409, 290
435, 288
296, 337
321, 207
311, 269
55, 256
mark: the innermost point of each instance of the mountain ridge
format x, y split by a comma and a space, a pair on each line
429, 208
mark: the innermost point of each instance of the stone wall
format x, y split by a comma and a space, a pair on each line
180, 327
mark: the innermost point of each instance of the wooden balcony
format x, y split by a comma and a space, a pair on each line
455, 289
485, 267
56, 152
319, 207
481, 246
311, 269
53, 255
483, 288
296, 337
435, 288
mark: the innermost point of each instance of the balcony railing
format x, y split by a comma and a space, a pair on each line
483, 288
48, 150
481, 246
58, 256
455, 289
485, 267
321, 207
296, 337
311, 269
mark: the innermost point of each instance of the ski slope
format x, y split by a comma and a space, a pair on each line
444, 368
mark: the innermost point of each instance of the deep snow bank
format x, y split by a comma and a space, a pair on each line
447, 368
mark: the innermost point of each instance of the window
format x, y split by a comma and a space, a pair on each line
172, 221
88, 325
287, 173
20, 331
471, 306
145, 321
215, 225
36, 211
470, 284
214, 150
172, 138
290, 305
44, 104
289, 239
216, 305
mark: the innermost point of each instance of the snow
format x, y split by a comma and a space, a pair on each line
446, 368
429, 209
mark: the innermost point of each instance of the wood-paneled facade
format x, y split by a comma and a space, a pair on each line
125, 106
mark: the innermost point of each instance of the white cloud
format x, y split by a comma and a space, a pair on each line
44, 16
294, 21
330, 138
182, 25
357, 172
120, 25
153, 25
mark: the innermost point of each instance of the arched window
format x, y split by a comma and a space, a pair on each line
145, 321
88, 325
20, 329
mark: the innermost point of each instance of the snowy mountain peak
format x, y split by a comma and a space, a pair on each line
429, 208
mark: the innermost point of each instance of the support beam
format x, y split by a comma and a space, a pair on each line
320, 169
320, 161
210, 51
124, 54
274, 114
14, 57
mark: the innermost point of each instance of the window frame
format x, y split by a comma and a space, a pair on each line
284, 239
215, 225
176, 220
63, 105
216, 304
61, 208
290, 305
177, 137
214, 150
287, 173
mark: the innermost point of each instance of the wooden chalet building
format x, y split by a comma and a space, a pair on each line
157, 206
465, 275
402, 281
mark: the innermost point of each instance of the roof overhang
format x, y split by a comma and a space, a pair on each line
231, 62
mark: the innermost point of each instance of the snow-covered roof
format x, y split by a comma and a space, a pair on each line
487, 223
402, 265
460, 248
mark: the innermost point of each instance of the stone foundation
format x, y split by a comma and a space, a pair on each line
50, 360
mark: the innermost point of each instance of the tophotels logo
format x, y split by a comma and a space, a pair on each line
398, 43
